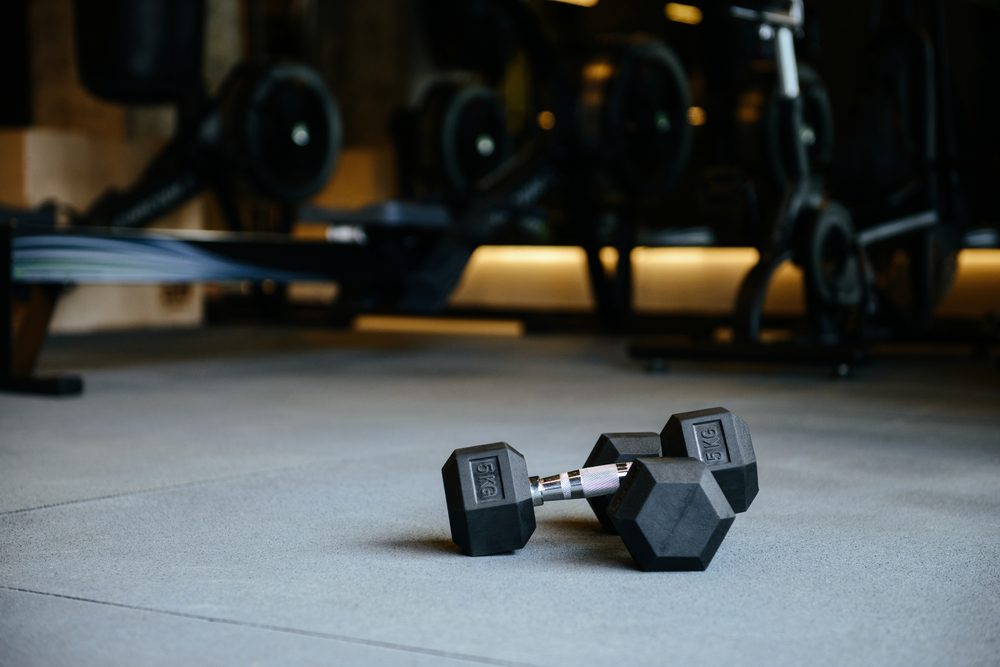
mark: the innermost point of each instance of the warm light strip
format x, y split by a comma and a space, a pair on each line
579, 3
705, 279
530, 254
681, 13
675, 279
976, 289
430, 325
539, 277
980, 258
694, 255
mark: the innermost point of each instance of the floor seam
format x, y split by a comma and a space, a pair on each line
277, 628
158, 489
183, 485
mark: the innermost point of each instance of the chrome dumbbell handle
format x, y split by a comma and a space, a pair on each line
583, 483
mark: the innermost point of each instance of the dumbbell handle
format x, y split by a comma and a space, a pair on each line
582, 483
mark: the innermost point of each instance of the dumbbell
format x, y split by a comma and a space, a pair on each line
671, 512
715, 436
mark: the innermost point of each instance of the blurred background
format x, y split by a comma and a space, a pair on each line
820, 173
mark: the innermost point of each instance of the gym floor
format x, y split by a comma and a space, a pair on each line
235, 496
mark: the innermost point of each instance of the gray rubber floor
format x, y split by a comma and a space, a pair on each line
238, 497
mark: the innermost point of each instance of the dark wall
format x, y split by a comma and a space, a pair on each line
367, 52
370, 53
839, 34
15, 73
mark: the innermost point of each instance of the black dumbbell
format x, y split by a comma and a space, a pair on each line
714, 436
491, 498
670, 512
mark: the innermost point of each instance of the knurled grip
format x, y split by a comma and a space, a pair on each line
583, 483
599, 480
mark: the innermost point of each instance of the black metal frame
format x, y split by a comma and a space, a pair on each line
825, 339
27, 307
21, 342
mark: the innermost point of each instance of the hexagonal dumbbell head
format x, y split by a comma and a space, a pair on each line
489, 499
722, 441
671, 514
618, 448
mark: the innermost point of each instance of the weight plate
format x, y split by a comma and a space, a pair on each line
455, 136
751, 296
474, 140
830, 263
634, 114
288, 131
